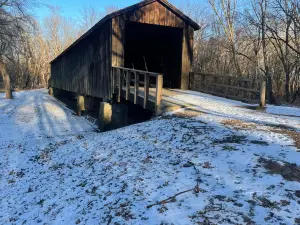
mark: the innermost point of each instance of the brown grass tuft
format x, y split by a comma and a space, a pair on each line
238, 124
294, 135
288, 171
188, 113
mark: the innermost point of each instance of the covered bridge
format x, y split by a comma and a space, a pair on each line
149, 44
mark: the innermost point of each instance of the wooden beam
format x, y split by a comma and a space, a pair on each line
237, 88
218, 75
224, 95
151, 74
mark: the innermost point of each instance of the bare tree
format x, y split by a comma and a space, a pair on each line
14, 21
90, 16
110, 9
226, 13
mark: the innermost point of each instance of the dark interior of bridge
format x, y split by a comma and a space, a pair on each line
156, 49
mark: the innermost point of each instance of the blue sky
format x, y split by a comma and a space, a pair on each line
71, 8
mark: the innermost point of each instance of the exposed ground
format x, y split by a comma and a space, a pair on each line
215, 163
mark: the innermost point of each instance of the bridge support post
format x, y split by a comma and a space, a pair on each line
112, 116
105, 116
51, 91
80, 104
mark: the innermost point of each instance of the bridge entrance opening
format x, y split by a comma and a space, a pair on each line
156, 49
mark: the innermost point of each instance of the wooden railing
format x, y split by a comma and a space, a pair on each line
128, 83
239, 88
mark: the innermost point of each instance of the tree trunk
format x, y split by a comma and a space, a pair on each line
6, 79
287, 87
263, 8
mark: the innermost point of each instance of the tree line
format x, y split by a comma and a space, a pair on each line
27, 45
258, 39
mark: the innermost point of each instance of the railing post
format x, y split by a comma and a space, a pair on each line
128, 74
159, 86
262, 102
136, 87
120, 85
146, 90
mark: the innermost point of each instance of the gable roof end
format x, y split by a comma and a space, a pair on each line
165, 3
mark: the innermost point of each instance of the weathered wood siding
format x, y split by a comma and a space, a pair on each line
154, 13
86, 67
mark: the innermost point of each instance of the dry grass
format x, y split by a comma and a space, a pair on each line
294, 135
288, 171
188, 113
285, 130
238, 125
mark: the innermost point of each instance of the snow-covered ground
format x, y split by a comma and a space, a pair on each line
234, 165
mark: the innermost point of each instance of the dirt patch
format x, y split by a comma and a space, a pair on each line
288, 171
238, 124
232, 139
188, 113
263, 143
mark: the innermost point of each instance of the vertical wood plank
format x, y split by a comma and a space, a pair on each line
147, 14
146, 90
156, 9
162, 15
152, 13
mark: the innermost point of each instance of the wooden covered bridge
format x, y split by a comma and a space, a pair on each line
138, 55
131, 54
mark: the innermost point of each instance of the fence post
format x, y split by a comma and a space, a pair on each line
262, 102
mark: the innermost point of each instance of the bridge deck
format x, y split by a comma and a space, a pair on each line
168, 102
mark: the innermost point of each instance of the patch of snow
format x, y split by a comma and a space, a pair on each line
283, 110
55, 169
